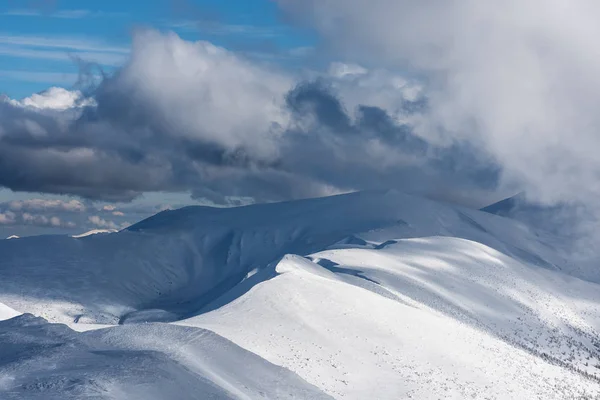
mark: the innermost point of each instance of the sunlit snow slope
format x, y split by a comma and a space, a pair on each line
365, 295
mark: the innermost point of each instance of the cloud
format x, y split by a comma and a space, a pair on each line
222, 29
63, 14
518, 80
193, 117
113, 210
34, 216
102, 223
55, 98
7, 218
62, 49
103, 58
43, 221
39, 213
46, 205
62, 43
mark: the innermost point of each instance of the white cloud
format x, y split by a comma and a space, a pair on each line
102, 223
113, 210
61, 42
34, 219
220, 29
341, 70
62, 48
45, 221
55, 221
55, 98
47, 205
357, 85
207, 92
190, 116
103, 58
7, 218
19, 214
517, 79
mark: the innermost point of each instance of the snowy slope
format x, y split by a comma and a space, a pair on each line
421, 318
366, 295
46, 361
171, 265
7, 312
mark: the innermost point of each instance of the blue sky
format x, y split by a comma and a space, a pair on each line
40, 41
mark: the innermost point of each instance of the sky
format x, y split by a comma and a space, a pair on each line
114, 110
46, 44
41, 41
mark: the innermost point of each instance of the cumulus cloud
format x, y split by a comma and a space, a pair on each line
7, 218
161, 123
183, 116
55, 98
41, 213
44, 221
377, 87
102, 223
46, 205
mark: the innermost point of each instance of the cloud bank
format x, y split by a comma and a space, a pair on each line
192, 117
519, 80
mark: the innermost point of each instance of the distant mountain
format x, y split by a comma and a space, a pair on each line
506, 206
559, 219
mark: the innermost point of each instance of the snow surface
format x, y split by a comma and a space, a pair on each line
365, 295
7, 312
94, 232
39, 360
399, 338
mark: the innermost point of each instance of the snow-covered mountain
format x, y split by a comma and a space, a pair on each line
365, 295
94, 232
559, 219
